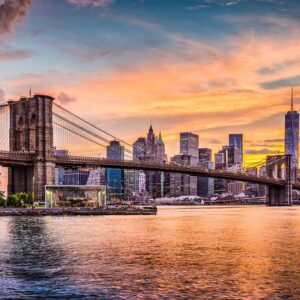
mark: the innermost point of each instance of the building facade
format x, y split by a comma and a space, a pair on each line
291, 141
189, 144
115, 177
237, 140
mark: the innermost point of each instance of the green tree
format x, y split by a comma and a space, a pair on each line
13, 201
2, 199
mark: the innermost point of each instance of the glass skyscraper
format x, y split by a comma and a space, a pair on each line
292, 135
237, 140
115, 177
189, 144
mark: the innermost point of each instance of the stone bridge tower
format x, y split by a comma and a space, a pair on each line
31, 130
279, 166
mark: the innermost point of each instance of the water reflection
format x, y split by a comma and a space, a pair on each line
36, 262
182, 253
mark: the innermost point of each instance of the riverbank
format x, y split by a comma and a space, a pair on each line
146, 210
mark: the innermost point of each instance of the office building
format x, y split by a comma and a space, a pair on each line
205, 184
189, 144
115, 177
182, 184
292, 135
204, 154
237, 140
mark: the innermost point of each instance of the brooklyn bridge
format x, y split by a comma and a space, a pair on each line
32, 127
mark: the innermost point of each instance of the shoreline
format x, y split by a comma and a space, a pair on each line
9, 212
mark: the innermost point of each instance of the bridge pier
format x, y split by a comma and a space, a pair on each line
279, 195
31, 131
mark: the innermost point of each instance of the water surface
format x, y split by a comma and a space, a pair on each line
182, 253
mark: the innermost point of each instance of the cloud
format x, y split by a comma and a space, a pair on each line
12, 12
7, 54
65, 99
281, 83
93, 3
262, 151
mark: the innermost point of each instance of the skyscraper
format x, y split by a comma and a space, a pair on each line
151, 144
237, 140
115, 177
189, 144
292, 134
205, 154
139, 149
160, 150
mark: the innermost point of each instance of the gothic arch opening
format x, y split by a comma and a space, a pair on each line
19, 134
32, 132
283, 171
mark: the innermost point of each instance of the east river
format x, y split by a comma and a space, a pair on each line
182, 253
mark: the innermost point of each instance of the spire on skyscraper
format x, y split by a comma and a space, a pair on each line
292, 98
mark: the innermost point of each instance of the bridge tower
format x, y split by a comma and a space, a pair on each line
31, 130
279, 166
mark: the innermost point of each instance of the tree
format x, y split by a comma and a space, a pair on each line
2, 199
13, 201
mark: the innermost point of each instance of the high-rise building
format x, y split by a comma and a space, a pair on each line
115, 177
220, 161
160, 149
292, 134
189, 144
151, 145
182, 184
205, 154
231, 154
206, 184
237, 140
139, 149
151, 148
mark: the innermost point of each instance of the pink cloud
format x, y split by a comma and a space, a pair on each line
11, 54
12, 12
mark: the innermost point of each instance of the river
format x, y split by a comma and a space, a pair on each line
182, 253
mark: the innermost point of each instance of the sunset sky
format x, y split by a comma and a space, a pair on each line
213, 67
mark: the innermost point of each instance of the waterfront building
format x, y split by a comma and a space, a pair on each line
205, 184
75, 177
292, 135
60, 171
189, 144
237, 140
96, 177
115, 177
182, 184
236, 187
204, 154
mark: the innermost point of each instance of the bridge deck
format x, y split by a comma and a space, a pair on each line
9, 158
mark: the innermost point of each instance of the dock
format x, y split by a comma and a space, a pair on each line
70, 211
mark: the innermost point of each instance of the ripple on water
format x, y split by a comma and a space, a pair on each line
182, 253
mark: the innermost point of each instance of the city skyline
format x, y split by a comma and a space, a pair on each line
142, 66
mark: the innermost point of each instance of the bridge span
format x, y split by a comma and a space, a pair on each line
31, 161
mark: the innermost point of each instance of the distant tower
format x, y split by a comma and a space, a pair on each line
161, 152
292, 133
151, 144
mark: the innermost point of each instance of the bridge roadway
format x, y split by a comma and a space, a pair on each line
9, 158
